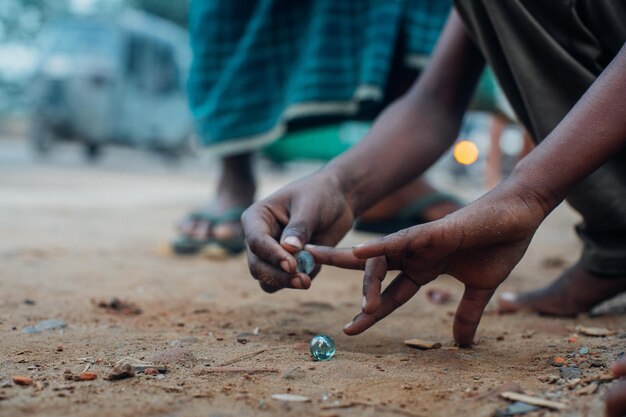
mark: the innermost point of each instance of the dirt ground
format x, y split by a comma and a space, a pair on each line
73, 235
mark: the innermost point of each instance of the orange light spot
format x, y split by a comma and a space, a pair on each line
465, 152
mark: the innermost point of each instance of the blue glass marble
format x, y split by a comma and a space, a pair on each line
322, 347
305, 262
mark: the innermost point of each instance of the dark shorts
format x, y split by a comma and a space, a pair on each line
546, 54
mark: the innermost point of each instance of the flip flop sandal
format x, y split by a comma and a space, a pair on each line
186, 245
411, 215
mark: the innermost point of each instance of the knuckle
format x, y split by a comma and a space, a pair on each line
253, 242
299, 227
467, 321
246, 216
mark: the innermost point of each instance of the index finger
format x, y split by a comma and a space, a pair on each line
393, 244
340, 257
261, 229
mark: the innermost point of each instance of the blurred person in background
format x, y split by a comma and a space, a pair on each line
262, 69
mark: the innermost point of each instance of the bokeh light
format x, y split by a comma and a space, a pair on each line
465, 152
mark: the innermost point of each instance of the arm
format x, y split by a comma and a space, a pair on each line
593, 131
405, 140
418, 128
481, 243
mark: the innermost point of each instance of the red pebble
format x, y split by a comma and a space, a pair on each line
87, 376
151, 371
22, 380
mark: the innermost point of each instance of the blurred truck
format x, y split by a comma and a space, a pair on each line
111, 81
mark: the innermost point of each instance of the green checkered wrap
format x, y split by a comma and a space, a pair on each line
260, 64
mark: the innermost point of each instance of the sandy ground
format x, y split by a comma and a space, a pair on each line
73, 235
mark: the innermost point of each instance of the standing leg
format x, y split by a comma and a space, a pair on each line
219, 218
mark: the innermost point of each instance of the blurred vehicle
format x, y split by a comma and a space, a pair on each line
111, 81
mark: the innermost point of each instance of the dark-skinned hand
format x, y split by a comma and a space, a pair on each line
311, 210
479, 245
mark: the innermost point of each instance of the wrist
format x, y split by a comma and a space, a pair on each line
344, 182
533, 188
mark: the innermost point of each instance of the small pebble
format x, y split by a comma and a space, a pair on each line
22, 380
305, 262
151, 371
87, 376
422, 344
291, 397
515, 409
570, 372
51, 324
595, 331
583, 350
322, 347
6, 384
121, 370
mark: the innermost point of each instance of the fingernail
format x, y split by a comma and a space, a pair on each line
359, 245
293, 241
285, 265
363, 303
348, 325
309, 246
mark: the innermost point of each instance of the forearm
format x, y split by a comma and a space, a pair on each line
417, 129
593, 131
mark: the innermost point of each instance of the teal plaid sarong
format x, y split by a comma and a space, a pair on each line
259, 65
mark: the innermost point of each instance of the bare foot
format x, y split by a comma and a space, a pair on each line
575, 291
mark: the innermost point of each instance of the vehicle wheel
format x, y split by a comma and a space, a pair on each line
93, 152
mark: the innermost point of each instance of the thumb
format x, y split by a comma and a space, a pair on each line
298, 231
468, 314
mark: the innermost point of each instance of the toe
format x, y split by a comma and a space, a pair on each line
227, 230
200, 230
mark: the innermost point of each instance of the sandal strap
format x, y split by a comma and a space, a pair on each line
228, 216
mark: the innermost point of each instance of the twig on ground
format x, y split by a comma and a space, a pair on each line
242, 357
516, 396
226, 369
